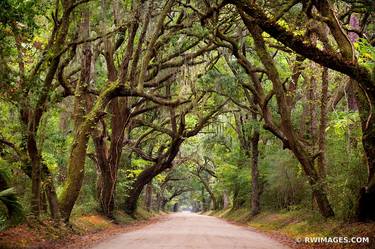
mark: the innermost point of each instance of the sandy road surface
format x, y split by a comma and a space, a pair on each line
187, 230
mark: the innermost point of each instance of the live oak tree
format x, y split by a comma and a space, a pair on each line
345, 62
177, 131
140, 66
260, 104
257, 20
161, 74
33, 89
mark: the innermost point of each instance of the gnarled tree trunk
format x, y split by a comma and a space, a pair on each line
210, 192
142, 179
108, 160
148, 174
366, 202
255, 190
148, 196
72, 185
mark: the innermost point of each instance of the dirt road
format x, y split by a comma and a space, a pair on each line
187, 230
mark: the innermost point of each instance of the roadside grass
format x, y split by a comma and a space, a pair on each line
44, 233
299, 224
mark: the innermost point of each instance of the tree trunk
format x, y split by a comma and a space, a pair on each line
316, 183
144, 178
225, 200
148, 196
255, 191
35, 175
148, 174
366, 202
203, 200
82, 126
175, 207
312, 101
50, 191
163, 204
323, 124
236, 198
131, 200
52, 201
158, 202
107, 191
119, 121
210, 192
73, 183
43, 202
107, 174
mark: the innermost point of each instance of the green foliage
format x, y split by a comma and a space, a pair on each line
289, 192
346, 174
366, 53
343, 121
11, 211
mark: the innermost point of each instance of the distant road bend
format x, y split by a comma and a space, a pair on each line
193, 231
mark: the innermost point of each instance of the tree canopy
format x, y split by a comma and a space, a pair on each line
112, 105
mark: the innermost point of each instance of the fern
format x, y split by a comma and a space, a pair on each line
8, 199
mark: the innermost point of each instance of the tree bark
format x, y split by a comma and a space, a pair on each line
225, 200
108, 159
35, 175
82, 126
322, 162
105, 182
209, 190
148, 174
52, 198
158, 201
255, 191
236, 198
366, 202
203, 200
245, 144
175, 207
148, 196
75, 174
312, 101
142, 179
163, 204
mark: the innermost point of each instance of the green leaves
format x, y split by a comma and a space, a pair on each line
51, 162
14, 208
9, 205
19, 15
7, 192
366, 53
341, 121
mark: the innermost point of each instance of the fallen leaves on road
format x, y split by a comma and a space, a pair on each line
85, 231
